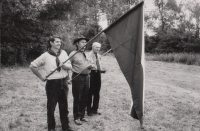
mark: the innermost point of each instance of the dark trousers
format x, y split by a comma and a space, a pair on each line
94, 91
80, 87
57, 91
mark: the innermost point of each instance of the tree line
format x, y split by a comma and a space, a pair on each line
27, 24
176, 27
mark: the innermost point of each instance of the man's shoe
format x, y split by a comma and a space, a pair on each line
90, 114
78, 122
69, 129
84, 119
96, 113
51, 129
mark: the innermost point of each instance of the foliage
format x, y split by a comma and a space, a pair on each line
26, 25
172, 41
174, 26
21, 32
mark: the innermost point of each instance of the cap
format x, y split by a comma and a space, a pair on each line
80, 38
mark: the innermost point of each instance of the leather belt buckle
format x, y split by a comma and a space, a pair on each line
96, 71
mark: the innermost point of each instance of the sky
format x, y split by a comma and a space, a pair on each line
148, 6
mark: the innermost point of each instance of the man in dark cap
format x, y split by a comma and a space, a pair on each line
80, 85
56, 85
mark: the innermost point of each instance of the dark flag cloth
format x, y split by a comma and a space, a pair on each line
126, 38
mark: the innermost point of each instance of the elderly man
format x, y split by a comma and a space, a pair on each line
80, 82
95, 80
56, 85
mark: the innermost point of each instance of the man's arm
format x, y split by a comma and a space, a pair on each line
91, 64
37, 73
67, 66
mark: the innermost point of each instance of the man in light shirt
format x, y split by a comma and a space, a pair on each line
56, 85
95, 80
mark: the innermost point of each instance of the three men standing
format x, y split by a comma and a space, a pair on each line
83, 87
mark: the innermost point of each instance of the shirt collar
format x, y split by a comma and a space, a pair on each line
93, 52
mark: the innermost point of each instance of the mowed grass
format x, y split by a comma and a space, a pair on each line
172, 100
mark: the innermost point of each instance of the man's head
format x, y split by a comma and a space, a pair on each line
96, 47
80, 42
54, 42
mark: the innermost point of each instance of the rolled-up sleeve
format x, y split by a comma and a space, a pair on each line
40, 61
65, 58
71, 56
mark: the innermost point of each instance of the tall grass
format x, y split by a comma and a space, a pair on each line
185, 58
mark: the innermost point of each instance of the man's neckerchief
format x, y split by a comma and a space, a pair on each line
57, 59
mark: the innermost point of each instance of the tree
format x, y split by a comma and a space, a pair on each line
167, 13
19, 27
26, 26
194, 7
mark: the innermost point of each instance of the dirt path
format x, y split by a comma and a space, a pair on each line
172, 100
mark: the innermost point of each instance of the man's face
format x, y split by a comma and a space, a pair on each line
82, 43
56, 43
96, 48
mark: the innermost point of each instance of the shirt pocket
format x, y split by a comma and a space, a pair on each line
79, 61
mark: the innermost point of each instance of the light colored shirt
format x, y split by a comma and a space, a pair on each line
79, 63
92, 58
48, 61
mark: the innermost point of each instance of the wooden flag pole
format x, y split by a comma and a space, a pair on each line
91, 63
94, 38
74, 54
141, 123
98, 59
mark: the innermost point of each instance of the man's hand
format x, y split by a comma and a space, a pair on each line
90, 66
42, 78
69, 81
66, 66
103, 71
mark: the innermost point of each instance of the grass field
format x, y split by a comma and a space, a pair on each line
183, 58
172, 100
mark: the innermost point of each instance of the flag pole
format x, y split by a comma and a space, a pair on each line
110, 31
98, 59
75, 53
143, 64
95, 37
91, 63
121, 17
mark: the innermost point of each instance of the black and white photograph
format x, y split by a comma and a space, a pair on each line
100, 65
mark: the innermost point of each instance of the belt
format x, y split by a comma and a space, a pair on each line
57, 79
80, 74
95, 71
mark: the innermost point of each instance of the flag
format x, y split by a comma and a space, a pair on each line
126, 37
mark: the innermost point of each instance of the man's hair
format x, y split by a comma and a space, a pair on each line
76, 44
52, 39
95, 44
